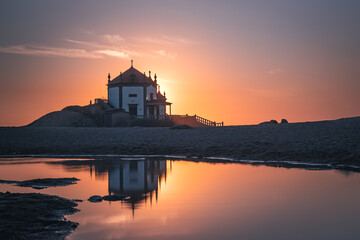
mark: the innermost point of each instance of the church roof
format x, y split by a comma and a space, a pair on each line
160, 96
159, 99
132, 76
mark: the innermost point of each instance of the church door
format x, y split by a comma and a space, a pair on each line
133, 109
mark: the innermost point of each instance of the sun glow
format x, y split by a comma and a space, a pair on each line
265, 68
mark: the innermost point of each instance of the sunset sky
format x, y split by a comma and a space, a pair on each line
241, 62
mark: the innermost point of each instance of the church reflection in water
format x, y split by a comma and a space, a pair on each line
139, 179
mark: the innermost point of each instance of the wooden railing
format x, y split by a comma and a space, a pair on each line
194, 120
208, 122
197, 121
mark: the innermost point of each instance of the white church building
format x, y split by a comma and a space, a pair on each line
138, 94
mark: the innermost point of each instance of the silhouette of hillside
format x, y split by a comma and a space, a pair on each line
73, 116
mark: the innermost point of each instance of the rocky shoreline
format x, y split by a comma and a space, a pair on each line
42, 183
334, 142
18, 220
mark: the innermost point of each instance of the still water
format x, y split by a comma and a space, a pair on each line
190, 200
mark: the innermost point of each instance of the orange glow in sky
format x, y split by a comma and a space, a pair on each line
241, 63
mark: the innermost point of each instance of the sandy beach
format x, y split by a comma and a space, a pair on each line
336, 142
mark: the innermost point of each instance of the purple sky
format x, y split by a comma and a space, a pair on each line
235, 61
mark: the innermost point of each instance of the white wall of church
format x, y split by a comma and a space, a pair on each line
150, 89
114, 176
114, 97
133, 95
134, 177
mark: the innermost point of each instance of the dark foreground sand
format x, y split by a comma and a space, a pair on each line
336, 142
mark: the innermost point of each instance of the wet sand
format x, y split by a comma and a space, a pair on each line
335, 142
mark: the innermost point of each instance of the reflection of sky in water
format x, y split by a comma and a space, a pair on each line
188, 200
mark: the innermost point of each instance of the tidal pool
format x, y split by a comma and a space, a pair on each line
175, 199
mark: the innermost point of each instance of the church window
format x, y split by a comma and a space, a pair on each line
132, 95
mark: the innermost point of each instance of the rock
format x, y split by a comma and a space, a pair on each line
284, 121
35, 216
41, 183
269, 122
114, 198
184, 126
64, 118
8, 182
95, 199
73, 116
74, 108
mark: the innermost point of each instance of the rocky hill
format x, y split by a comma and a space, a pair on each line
73, 116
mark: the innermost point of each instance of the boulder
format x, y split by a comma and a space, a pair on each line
64, 118
35, 216
284, 121
269, 122
184, 126
73, 116
114, 198
74, 108
41, 183
95, 199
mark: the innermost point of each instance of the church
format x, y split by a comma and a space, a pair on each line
138, 94
134, 99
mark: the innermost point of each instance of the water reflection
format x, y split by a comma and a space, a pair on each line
139, 179
200, 200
